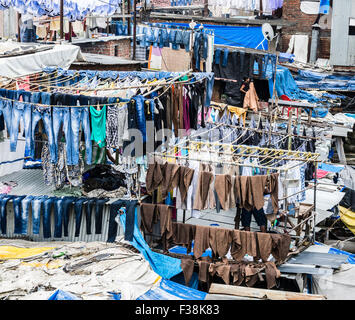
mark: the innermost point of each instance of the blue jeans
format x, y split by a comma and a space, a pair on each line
37, 203
47, 205
78, 206
186, 38
21, 110
61, 217
88, 206
3, 212
225, 57
43, 113
6, 107
61, 116
99, 207
141, 115
17, 203
66, 203
25, 207
209, 89
217, 56
80, 115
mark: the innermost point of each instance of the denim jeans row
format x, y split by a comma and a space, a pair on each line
61, 207
53, 119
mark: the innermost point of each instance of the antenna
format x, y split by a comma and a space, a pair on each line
268, 32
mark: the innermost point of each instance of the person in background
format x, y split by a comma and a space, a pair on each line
244, 88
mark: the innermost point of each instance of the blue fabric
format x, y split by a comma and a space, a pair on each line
330, 168
246, 37
167, 289
286, 85
163, 265
351, 256
62, 295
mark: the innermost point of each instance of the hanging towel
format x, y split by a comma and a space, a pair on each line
98, 124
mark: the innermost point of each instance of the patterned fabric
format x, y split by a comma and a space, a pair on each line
57, 174
112, 137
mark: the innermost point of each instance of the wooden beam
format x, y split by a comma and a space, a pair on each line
218, 20
262, 293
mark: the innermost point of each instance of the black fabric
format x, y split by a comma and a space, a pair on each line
262, 89
348, 201
103, 177
2, 123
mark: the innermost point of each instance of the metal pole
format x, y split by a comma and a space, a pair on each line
134, 29
315, 201
61, 19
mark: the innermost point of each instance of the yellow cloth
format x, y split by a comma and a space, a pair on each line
238, 111
11, 252
348, 217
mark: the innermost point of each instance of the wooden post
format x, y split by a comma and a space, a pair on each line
134, 29
61, 19
129, 19
70, 31
18, 27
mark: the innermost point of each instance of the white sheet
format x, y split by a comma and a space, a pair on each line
60, 56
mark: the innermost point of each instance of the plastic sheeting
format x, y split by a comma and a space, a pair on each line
63, 295
170, 290
308, 79
246, 37
163, 265
286, 85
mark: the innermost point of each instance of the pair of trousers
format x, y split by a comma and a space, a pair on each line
78, 208
3, 212
21, 110
80, 116
43, 113
61, 116
6, 107
17, 205
37, 205
26, 202
130, 209
61, 217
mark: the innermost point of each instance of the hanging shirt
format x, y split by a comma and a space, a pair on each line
98, 124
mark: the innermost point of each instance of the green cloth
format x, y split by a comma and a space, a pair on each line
98, 125
98, 154
68, 192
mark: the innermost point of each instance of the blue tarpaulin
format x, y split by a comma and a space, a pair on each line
170, 290
246, 37
351, 256
63, 295
163, 265
308, 79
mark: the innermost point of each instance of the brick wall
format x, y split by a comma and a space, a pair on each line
303, 25
108, 47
